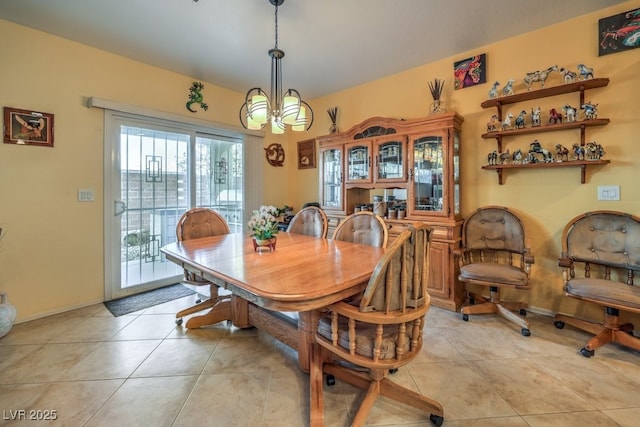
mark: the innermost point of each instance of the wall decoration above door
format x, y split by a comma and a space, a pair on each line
25, 127
470, 72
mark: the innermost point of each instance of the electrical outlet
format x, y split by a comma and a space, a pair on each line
608, 192
86, 195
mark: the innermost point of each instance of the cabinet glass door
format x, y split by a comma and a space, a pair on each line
428, 183
390, 161
359, 163
332, 178
456, 172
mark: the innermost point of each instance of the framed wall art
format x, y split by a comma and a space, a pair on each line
307, 154
470, 72
25, 127
620, 32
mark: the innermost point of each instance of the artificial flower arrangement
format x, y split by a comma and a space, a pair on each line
264, 222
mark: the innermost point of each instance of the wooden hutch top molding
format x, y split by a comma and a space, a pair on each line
390, 126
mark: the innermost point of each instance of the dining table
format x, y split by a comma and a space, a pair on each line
281, 290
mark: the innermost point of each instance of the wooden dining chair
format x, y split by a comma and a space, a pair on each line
495, 255
383, 332
311, 221
363, 227
600, 259
193, 224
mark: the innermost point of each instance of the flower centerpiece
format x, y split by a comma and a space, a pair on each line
264, 226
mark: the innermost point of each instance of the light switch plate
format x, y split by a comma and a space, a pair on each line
608, 192
86, 195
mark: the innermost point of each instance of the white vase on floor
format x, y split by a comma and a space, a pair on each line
7, 315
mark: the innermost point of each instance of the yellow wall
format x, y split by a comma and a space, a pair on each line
51, 258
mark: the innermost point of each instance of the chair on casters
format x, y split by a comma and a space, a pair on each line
193, 224
311, 221
495, 254
605, 245
363, 227
383, 332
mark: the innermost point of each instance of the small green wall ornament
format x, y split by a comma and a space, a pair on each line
196, 97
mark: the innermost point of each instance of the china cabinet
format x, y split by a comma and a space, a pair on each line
414, 166
578, 87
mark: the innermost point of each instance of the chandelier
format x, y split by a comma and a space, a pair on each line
282, 112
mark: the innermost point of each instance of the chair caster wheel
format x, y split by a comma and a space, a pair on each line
523, 312
179, 321
436, 420
559, 324
465, 317
198, 301
526, 332
587, 353
472, 301
330, 380
393, 371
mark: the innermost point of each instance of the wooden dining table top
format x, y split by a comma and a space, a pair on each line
303, 273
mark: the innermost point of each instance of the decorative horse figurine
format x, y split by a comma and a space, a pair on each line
584, 72
506, 123
569, 76
594, 151
562, 153
517, 157
578, 152
505, 157
538, 76
570, 113
493, 93
492, 123
508, 88
492, 158
590, 110
535, 116
520, 119
554, 116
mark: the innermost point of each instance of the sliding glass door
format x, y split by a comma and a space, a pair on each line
157, 172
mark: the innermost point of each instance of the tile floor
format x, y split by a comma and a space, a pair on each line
142, 370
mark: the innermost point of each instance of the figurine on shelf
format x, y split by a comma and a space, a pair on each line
506, 123
492, 123
594, 151
517, 157
505, 157
508, 88
590, 110
562, 153
539, 76
535, 116
536, 147
520, 120
569, 76
584, 72
554, 116
492, 157
493, 93
570, 113
578, 152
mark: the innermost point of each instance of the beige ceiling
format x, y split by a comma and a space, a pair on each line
329, 44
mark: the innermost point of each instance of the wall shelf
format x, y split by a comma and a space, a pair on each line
582, 164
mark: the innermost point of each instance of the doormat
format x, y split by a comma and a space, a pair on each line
126, 305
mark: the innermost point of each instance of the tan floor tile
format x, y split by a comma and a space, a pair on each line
528, 388
146, 402
436, 348
471, 341
624, 417
116, 359
574, 419
215, 400
47, 363
462, 392
147, 327
177, 357
72, 403
601, 382
487, 422
244, 354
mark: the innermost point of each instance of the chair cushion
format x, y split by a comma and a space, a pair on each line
606, 291
365, 337
495, 273
365, 229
